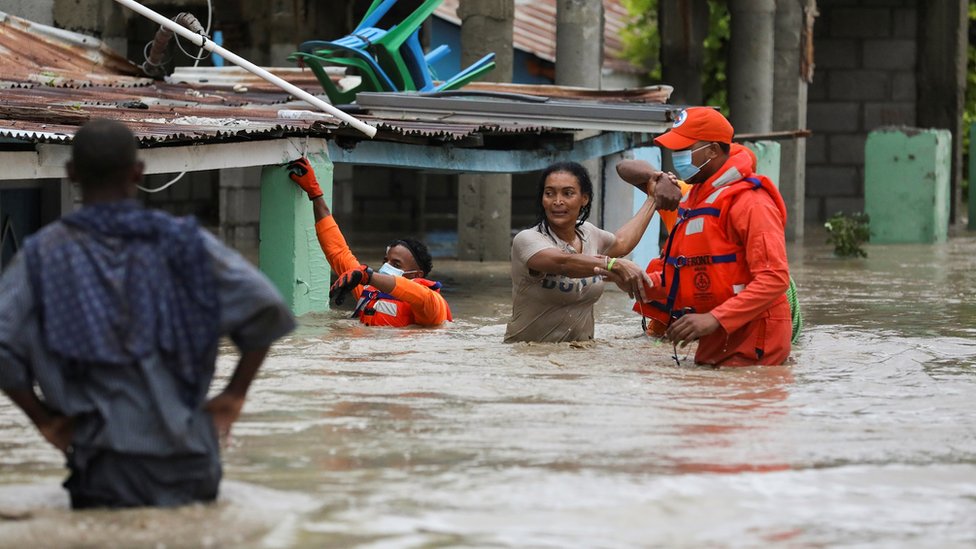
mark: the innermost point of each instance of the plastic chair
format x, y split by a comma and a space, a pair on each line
399, 51
387, 60
484, 65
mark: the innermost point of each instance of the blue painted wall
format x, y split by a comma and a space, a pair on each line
444, 32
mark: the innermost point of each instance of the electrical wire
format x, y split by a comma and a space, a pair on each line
206, 31
165, 186
196, 62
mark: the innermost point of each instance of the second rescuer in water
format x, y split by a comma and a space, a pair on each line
398, 293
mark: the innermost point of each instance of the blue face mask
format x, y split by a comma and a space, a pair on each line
683, 165
388, 269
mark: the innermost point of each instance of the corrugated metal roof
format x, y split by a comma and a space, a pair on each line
34, 54
534, 29
54, 81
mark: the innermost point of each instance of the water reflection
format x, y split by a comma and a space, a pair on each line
387, 438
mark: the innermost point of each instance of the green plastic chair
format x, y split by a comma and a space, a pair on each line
399, 51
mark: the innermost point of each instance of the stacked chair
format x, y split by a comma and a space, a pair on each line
386, 60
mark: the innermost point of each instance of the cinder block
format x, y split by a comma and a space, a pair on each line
251, 206
846, 149
38, 11
858, 85
832, 117
860, 22
825, 181
877, 115
817, 149
836, 53
906, 184
904, 23
78, 16
903, 87
897, 54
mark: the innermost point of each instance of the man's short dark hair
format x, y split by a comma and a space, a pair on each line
419, 252
102, 152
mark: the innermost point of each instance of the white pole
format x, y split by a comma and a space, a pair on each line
208, 45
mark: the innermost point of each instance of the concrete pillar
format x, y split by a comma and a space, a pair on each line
290, 254
794, 26
579, 43
579, 59
484, 217
751, 64
972, 177
485, 201
906, 184
942, 78
683, 25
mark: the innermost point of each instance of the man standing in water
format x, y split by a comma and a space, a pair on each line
725, 271
114, 314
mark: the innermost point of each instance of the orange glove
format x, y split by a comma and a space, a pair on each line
301, 172
357, 276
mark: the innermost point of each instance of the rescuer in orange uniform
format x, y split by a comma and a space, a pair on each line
398, 294
725, 272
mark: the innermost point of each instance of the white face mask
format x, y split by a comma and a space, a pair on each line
388, 269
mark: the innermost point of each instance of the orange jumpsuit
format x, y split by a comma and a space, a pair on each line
755, 323
416, 303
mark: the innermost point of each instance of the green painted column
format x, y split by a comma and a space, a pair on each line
906, 184
290, 254
767, 158
972, 177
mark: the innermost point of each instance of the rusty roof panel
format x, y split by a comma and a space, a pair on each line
54, 81
35, 54
534, 29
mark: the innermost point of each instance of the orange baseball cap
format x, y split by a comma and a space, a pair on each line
696, 124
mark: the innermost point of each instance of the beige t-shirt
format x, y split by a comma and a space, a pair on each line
552, 307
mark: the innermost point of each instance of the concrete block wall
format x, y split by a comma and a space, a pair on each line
240, 210
865, 79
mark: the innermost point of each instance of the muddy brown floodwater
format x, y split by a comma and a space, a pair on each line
448, 437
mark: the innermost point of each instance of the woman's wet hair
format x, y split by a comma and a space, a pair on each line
102, 153
419, 252
586, 187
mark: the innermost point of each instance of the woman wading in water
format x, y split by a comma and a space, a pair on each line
556, 264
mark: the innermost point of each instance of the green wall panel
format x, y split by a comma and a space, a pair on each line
906, 184
290, 254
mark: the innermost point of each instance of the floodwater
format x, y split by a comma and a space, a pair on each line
448, 438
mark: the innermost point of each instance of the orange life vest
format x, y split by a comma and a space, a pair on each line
376, 308
700, 266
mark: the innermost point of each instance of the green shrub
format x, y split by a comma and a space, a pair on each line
847, 233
